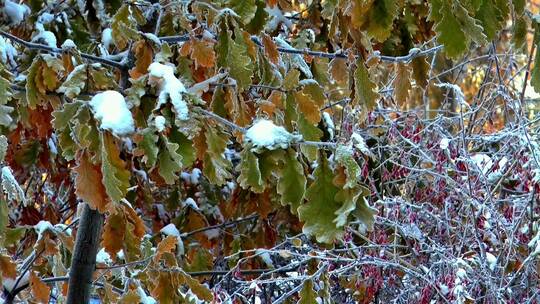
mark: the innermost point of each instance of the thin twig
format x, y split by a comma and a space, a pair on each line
49, 49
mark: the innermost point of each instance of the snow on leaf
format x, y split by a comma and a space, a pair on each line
296, 60
15, 12
11, 187
264, 134
169, 88
111, 110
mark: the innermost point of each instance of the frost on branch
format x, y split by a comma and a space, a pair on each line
265, 134
169, 87
111, 109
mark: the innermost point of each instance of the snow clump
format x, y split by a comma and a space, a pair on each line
265, 134
111, 109
169, 87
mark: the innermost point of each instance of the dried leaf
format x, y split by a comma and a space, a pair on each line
88, 186
40, 290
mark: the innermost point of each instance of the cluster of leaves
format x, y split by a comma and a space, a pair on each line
241, 62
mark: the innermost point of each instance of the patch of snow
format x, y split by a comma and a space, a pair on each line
195, 176
63, 227
9, 283
212, 233
191, 203
159, 122
483, 162
68, 44
170, 230
106, 38
444, 289
52, 145
277, 18
443, 144
152, 38
458, 93
169, 87
265, 256
111, 109
11, 186
43, 226
265, 134
329, 124
360, 144
45, 18
103, 257
309, 81
461, 273
491, 260
144, 298
47, 37
15, 12
297, 60
7, 52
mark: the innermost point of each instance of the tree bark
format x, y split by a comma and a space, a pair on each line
83, 262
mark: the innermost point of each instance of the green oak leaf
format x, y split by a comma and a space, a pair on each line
75, 82
147, 146
246, 9
381, 16
169, 161
115, 175
239, 62
309, 132
291, 181
215, 166
318, 213
365, 88
250, 173
344, 157
450, 33
307, 294
64, 115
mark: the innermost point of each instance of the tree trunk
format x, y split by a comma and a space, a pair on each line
83, 262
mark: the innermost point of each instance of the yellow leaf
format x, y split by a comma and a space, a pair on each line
308, 107
339, 70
